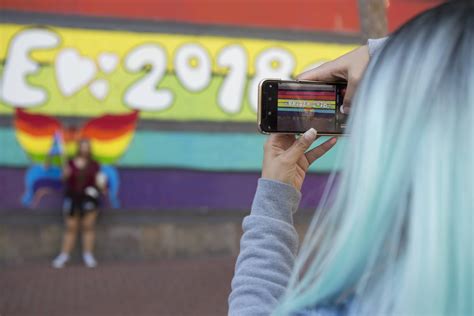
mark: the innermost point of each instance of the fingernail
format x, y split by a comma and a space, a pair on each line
310, 134
345, 109
333, 141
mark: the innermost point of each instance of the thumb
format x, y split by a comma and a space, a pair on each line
347, 103
301, 145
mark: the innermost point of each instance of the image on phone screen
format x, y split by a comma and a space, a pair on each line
302, 106
295, 107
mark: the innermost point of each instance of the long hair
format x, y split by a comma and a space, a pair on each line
395, 233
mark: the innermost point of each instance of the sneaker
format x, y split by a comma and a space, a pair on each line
60, 261
89, 260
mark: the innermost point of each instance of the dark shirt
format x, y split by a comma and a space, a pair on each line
80, 179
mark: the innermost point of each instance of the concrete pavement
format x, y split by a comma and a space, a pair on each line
165, 287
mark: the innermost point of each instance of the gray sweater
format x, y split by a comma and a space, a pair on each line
267, 250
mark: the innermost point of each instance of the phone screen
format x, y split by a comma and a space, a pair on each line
301, 106
295, 107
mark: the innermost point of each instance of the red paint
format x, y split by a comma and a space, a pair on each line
400, 11
326, 15
35, 124
313, 15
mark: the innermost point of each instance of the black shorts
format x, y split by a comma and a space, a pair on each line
81, 205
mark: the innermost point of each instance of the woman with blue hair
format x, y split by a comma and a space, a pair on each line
394, 235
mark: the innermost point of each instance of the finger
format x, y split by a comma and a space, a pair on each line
320, 150
347, 103
360, 59
301, 145
330, 71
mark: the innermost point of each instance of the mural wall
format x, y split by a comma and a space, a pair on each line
169, 105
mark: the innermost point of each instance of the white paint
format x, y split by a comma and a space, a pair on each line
14, 87
143, 94
73, 72
231, 92
99, 89
108, 62
193, 78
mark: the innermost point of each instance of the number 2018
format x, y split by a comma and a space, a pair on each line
193, 67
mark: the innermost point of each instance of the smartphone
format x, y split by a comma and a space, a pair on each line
286, 106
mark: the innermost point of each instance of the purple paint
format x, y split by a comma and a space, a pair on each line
158, 189
12, 186
48, 183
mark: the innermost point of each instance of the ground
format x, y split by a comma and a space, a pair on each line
165, 287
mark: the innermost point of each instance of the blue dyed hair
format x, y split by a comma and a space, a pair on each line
395, 233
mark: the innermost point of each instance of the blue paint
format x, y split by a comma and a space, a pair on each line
113, 184
207, 151
36, 174
200, 151
11, 154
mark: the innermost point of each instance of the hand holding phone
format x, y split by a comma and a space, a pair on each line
287, 158
293, 107
349, 67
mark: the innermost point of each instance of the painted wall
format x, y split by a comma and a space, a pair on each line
166, 91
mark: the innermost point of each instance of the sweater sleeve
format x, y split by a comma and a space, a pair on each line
375, 45
267, 250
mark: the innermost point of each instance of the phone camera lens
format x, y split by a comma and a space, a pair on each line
270, 86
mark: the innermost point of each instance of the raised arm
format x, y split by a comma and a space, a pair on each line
269, 244
267, 250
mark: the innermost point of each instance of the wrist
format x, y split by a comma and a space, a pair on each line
276, 200
277, 177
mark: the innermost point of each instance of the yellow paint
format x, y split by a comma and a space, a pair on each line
91, 43
33, 144
111, 148
41, 145
186, 106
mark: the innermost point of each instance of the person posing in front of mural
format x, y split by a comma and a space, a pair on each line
394, 233
83, 185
